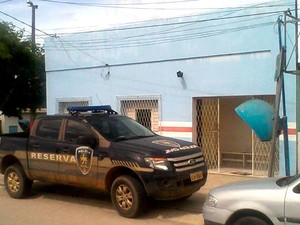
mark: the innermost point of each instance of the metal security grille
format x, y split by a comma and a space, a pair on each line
261, 150
207, 116
261, 157
62, 106
143, 116
144, 110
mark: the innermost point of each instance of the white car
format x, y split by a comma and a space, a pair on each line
269, 201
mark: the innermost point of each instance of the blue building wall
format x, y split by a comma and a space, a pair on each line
224, 53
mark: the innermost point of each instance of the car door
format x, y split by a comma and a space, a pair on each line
78, 164
42, 149
292, 203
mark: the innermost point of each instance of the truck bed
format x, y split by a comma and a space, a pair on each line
14, 141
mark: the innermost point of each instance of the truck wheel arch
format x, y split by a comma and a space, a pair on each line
128, 196
119, 171
7, 161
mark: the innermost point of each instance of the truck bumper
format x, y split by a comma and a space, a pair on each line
170, 186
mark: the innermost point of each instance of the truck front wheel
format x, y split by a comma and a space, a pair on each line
128, 196
16, 183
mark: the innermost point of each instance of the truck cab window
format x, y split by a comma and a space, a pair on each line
48, 129
75, 129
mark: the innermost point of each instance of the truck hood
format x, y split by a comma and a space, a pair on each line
158, 146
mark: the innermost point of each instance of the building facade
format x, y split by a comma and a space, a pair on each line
181, 77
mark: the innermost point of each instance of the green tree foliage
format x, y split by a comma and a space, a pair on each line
22, 73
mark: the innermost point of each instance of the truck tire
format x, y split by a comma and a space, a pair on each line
128, 196
250, 220
16, 183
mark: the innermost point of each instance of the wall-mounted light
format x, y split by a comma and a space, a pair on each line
180, 74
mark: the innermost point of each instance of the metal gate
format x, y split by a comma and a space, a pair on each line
207, 118
261, 150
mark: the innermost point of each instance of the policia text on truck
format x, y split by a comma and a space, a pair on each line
96, 147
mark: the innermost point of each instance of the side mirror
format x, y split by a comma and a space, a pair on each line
87, 140
297, 189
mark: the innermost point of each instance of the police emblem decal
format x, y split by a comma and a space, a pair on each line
84, 156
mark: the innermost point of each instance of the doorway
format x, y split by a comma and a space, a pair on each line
229, 145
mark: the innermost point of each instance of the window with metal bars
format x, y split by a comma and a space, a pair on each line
63, 105
144, 109
143, 116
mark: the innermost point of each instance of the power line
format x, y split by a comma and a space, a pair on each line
4, 1
163, 40
170, 35
178, 28
174, 23
22, 22
138, 6
119, 4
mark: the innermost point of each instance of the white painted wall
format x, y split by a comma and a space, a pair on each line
144, 60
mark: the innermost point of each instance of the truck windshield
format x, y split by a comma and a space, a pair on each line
119, 128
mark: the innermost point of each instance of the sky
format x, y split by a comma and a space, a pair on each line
66, 16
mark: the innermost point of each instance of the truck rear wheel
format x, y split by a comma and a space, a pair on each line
128, 196
16, 183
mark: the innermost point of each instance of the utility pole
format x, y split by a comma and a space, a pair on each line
295, 21
34, 7
297, 90
33, 46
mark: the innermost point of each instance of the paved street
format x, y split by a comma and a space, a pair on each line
60, 205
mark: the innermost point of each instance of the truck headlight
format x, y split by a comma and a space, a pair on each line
211, 201
158, 163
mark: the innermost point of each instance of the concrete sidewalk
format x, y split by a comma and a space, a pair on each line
217, 179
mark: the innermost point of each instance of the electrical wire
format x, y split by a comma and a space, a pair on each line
173, 33
4, 1
133, 5
171, 30
229, 10
22, 22
173, 23
185, 37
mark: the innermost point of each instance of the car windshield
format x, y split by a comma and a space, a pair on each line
119, 128
284, 181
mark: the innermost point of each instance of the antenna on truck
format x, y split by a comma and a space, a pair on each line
103, 109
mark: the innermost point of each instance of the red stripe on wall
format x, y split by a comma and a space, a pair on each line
291, 131
176, 129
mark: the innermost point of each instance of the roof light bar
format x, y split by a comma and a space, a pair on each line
93, 109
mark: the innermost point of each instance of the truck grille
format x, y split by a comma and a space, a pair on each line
188, 162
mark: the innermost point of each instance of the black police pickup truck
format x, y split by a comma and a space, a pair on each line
95, 147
